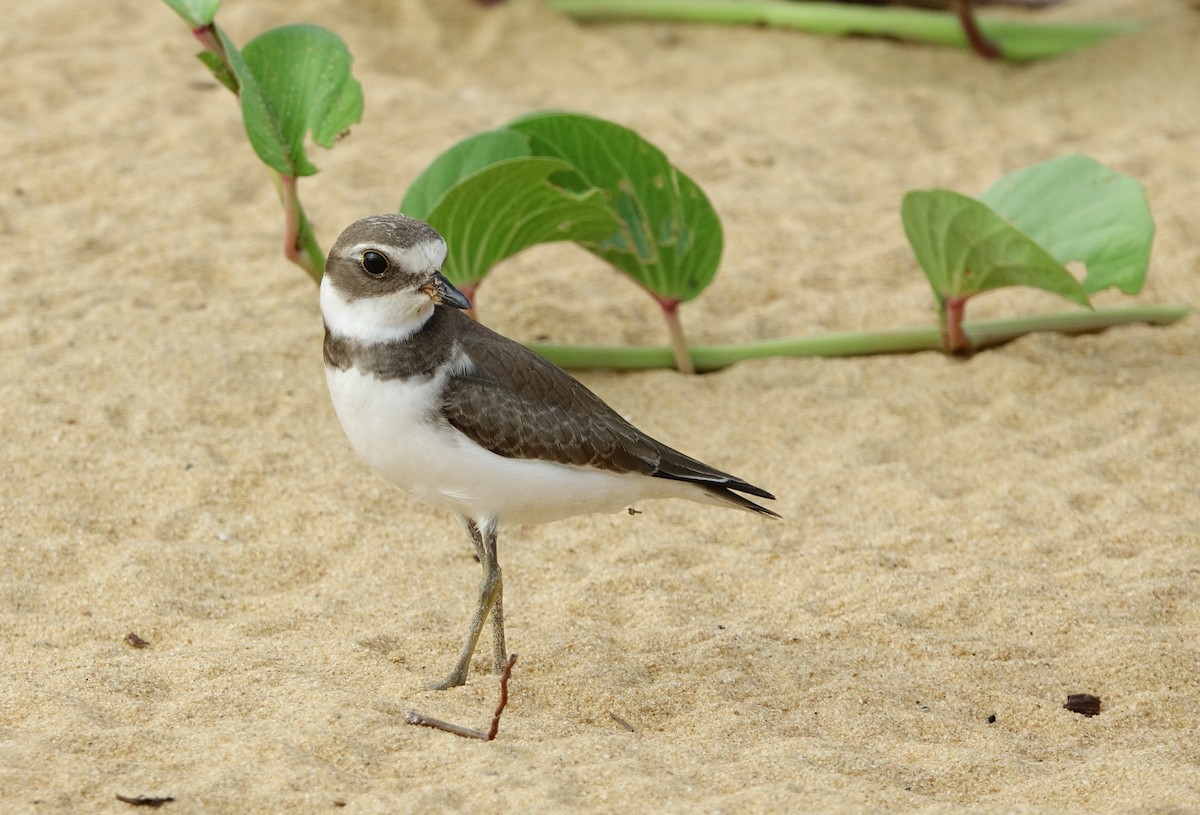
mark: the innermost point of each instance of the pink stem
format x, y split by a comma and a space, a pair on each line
683, 356
954, 338
291, 213
207, 35
979, 44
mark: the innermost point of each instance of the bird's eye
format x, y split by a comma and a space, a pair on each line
374, 264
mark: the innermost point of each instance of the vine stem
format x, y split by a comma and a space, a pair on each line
299, 243
981, 334
1018, 40
207, 36
965, 11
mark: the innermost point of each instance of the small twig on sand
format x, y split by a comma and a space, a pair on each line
621, 721
469, 732
144, 800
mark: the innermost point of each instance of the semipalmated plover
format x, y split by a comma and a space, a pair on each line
469, 421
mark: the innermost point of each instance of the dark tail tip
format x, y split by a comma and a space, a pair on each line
727, 494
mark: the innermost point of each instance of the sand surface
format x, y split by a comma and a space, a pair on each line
962, 539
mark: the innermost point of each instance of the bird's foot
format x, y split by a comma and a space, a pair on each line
456, 678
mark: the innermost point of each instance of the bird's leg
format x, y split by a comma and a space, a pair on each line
483, 536
489, 545
499, 652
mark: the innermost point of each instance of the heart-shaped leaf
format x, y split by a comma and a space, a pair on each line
196, 13
510, 206
295, 80
464, 159
1078, 209
966, 248
668, 237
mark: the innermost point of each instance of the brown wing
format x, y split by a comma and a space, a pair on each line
517, 404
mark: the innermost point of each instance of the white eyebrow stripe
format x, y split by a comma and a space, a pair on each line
426, 254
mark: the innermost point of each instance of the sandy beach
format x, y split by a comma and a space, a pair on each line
965, 542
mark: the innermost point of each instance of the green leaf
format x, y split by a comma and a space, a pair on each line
295, 79
669, 237
196, 13
510, 206
1078, 209
1022, 41
464, 159
966, 248
219, 70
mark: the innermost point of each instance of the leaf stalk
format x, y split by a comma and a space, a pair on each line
679, 346
952, 311
299, 243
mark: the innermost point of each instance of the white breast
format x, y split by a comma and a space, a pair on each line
392, 425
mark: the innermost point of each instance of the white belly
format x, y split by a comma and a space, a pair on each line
389, 424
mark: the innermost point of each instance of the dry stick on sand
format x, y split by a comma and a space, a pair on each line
469, 732
621, 722
143, 800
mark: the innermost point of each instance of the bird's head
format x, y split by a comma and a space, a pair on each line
383, 278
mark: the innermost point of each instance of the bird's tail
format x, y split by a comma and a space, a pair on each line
725, 494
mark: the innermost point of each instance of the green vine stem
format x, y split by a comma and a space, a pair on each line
1018, 40
982, 334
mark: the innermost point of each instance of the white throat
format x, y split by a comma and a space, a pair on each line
372, 320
